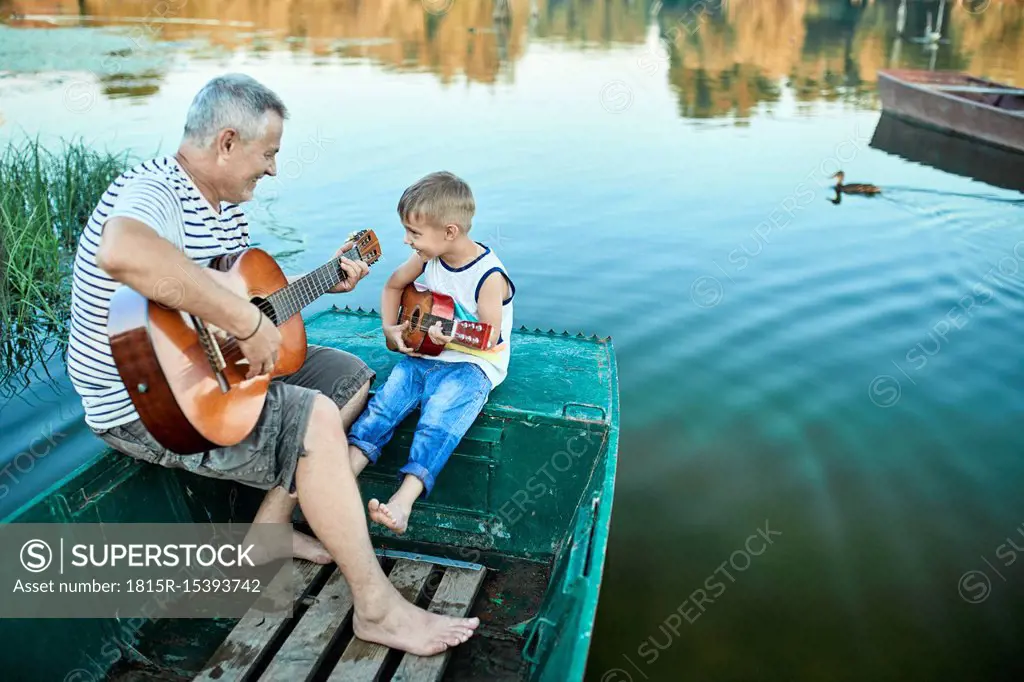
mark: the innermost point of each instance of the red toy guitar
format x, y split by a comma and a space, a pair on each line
424, 308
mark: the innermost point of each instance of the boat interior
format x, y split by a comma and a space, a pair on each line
515, 533
964, 86
970, 88
1010, 99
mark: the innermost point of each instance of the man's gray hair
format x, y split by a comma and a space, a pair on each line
231, 101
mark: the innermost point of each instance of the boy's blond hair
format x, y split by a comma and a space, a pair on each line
443, 198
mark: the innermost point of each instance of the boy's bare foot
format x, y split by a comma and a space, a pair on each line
394, 514
409, 628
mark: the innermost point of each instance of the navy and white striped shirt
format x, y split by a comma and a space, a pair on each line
160, 194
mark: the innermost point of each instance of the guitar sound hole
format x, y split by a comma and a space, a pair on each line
415, 319
266, 308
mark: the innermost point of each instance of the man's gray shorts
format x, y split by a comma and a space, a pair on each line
269, 455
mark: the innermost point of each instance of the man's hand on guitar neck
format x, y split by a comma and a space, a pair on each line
354, 271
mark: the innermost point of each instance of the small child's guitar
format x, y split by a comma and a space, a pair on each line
423, 308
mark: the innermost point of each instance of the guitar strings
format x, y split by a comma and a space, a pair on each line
310, 286
296, 295
434, 319
285, 302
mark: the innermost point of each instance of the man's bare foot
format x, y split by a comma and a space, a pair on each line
303, 547
409, 628
394, 514
310, 549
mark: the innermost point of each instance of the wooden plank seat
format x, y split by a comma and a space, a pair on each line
318, 640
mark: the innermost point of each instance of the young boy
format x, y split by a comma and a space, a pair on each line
451, 388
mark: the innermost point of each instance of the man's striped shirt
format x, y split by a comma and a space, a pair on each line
160, 194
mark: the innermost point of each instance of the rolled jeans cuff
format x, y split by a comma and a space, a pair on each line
420, 472
371, 451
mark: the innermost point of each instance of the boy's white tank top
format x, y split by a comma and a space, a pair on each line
463, 284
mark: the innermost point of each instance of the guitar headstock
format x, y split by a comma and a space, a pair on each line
366, 246
472, 334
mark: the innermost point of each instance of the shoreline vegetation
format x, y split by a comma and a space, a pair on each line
45, 199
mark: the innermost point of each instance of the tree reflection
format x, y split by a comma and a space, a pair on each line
722, 57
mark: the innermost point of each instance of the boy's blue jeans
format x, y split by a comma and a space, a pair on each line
452, 395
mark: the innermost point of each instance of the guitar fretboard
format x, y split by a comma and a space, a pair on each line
455, 328
290, 299
427, 321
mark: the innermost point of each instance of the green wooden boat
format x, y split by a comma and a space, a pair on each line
516, 532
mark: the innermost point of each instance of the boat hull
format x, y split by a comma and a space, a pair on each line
913, 95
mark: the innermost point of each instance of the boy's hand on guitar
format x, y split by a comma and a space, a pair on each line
354, 271
394, 340
437, 336
261, 348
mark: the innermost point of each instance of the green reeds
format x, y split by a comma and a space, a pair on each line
45, 199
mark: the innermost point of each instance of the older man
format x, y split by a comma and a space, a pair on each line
154, 230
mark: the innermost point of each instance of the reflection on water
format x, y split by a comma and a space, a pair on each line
723, 57
731, 59
950, 153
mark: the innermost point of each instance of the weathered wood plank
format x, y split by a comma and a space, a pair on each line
454, 597
240, 651
363, 661
308, 642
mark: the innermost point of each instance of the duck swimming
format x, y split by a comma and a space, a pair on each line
853, 187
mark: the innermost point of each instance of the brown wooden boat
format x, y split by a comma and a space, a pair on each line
956, 102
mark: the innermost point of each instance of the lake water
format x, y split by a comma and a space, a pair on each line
821, 460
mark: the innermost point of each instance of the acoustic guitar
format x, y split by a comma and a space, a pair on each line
187, 384
423, 308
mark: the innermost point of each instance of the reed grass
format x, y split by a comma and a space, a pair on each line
45, 199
